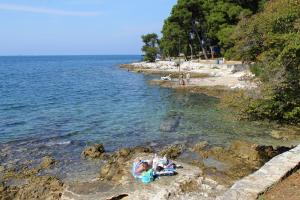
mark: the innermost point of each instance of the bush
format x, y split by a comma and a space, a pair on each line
150, 53
271, 38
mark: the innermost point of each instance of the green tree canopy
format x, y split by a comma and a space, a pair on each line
150, 48
198, 24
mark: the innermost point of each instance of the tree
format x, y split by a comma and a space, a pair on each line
198, 25
271, 39
179, 29
151, 46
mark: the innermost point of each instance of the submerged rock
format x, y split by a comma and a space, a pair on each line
285, 134
200, 146
94, 151
171, 123
47, 162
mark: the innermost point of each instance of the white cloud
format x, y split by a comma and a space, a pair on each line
44, 10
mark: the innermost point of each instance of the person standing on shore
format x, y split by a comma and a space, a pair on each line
181, 79
188, 76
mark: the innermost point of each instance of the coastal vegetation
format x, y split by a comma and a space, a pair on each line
151, 46
264, 34
202, 26
271, 39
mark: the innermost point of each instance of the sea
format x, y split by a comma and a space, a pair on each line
58, 105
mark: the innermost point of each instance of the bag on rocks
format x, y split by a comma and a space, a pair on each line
148, 176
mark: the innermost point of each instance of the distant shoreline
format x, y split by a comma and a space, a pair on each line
54, 55
231, 75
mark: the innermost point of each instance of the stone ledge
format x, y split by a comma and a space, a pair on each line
250, 187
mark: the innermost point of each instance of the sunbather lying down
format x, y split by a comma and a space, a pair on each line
142, 166
147, 170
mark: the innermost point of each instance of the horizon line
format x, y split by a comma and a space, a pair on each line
25, 55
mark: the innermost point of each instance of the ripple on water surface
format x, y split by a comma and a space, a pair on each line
58, 105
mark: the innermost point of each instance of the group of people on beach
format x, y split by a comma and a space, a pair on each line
184, 79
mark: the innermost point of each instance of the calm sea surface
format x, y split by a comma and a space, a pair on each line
59, 104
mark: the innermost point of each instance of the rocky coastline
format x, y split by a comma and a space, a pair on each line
206, 177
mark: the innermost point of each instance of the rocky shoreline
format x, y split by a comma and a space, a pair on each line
230, 75
198, 179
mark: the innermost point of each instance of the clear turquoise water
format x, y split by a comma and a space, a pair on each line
59, 104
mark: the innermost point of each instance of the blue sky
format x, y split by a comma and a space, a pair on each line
78, 27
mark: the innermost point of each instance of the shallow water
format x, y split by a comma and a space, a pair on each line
57, 105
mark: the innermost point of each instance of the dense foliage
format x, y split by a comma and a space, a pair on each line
151, 46
199, 25
271, 38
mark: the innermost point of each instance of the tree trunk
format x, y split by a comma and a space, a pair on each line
191, 47
212, 52
201, 45
200, 41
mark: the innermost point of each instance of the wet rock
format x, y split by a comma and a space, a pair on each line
112, 171
142, 150
217, 152
172, 151
255, 153
127, 153
105, 170
44, 187
200, 146
7, 193
171, 123
2, 168
25, 171
29, 172
94, 151
246, 150
124, 152
2, 186
236, 166
20, 173
106, 156
198, 163
47, 162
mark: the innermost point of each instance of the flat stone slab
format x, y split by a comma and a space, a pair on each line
271, 173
